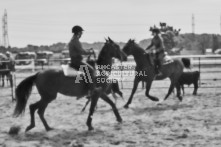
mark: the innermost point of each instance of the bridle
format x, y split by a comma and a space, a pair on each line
94, 54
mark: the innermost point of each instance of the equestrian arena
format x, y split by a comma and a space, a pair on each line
196, 121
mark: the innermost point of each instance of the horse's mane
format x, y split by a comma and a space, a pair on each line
138, 47
138, 53
102, 50
101, 54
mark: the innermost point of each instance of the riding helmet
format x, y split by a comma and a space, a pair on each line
156, 30
77, 29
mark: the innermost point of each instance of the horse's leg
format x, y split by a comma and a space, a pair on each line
174, 82
94, 99
114, 96
148, 86
108, 100
182, 86
116, 89
172, 85
33, 108
41, 110
136, 82
179, 92
120, 94
88, 101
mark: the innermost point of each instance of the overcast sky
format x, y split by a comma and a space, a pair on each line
44, 22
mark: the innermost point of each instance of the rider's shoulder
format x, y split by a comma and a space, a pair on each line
74, 41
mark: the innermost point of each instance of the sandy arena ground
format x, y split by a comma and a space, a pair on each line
195, 122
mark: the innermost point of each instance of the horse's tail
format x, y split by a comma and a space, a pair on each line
22, 94
186, 62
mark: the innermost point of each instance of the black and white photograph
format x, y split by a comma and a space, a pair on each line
110, 73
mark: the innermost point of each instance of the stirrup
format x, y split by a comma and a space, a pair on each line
156, 71
159, 74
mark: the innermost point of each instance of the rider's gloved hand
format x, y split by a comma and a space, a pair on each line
146, 52
91, 50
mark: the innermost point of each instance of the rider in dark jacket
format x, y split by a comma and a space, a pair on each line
157, 42
76, 51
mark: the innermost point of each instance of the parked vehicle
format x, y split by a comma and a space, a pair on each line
218, 51
21, 58
43, 57
65, 57
3, 57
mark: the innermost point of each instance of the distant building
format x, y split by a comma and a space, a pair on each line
208, 51
218, 51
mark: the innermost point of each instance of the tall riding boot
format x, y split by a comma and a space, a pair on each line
156, 67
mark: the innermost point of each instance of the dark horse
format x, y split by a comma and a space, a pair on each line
50, 82
171, 70
105, 60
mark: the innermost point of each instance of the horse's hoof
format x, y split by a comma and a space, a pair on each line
126, 106
159, 103
90, 128
154, 99
120, 120
49, 129
29, 128
180, 98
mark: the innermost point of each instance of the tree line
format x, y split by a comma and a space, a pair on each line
189, 41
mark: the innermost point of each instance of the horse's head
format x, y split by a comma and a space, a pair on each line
114, 50
128, 48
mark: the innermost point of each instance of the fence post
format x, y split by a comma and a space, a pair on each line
121, 75
199, 72
12, 86
48, 61
33, 63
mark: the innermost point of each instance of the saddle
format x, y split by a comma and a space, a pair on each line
70, 72
167, 59
163, 57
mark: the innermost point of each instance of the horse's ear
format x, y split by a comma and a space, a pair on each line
105, 39
131, 40
110, 40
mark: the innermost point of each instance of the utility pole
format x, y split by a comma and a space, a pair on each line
5, 40
0, 38
193, 24
220, 23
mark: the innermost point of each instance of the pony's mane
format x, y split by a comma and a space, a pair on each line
136, 45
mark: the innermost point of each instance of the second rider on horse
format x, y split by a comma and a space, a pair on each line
158, 43
76, 51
